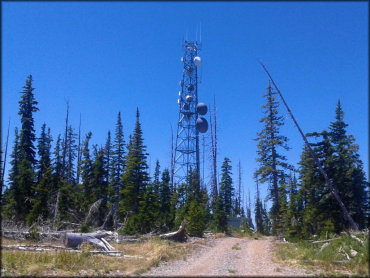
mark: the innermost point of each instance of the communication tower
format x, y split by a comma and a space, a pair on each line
189, 123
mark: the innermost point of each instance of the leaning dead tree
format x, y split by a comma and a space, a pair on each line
332, 188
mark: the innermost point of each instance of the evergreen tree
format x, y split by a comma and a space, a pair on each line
27, 153
27, 106
98, 185
44, 183
165, 200
86, 173
283, 207
40, 204
224, 199
196, 207
44, 146
258, 211
71, 155
272, 163
348, 175
295, 208
108, 158
12, 199
118, 165
249, 212
134, 180
57, 161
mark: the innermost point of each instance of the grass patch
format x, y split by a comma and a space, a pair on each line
309, 255
231, 270
236, 247
62, 263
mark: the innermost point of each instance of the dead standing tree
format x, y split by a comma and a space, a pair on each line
332, 188
213, 127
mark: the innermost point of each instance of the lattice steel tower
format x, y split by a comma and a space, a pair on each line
189, 125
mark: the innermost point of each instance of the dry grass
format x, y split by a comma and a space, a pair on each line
62, 263
219, 235
309, 255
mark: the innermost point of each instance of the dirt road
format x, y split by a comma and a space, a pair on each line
228, 256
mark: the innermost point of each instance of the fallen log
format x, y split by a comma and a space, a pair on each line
179, 235
359, 240
74, 240
327, 240
324, 246
49, 248
341, 262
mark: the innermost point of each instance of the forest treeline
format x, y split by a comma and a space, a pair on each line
109, 187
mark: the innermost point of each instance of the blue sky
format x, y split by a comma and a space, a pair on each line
106, 57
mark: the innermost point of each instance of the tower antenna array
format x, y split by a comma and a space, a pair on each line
189, 123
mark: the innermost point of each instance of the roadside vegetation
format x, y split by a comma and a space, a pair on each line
138, 258
343, 256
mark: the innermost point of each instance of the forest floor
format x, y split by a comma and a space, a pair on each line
228, 256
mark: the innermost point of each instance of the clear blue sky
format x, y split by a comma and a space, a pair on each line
106, 57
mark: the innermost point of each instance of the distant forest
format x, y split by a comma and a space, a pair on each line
71, 183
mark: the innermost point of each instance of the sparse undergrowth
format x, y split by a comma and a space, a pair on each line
63, 263
309, 255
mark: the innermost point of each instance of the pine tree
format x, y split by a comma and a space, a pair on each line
134, 179
249, 212
57, 161
27, 153
227, 184
44, 146
98, 185
165, 201
40, 204
27, 105
86, 172
44, 183
295, 208
118, 165
348, 176
271, 162
71, 155
283, 207
224, 199
196, 207
258, 211
12, 201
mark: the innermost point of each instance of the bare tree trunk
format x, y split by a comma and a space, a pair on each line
6, 151
332, 188
79, 153
239, 187
213, 127
172, 161
65, 142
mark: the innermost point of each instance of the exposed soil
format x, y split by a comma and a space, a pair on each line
229, 256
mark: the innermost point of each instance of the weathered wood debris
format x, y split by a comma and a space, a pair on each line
179, 235
74, 240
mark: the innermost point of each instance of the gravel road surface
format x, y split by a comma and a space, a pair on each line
228, 256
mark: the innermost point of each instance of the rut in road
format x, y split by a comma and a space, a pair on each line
226, 257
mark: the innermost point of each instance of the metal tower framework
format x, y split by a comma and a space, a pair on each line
187, 139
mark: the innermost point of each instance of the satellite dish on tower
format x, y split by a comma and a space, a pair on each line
197, 61
202, 108
201, 125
